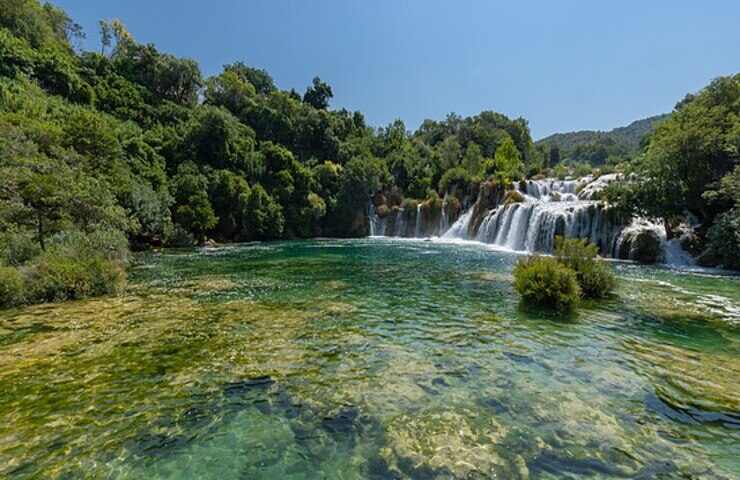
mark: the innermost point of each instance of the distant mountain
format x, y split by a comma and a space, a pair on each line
628, 137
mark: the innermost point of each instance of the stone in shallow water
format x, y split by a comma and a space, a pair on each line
342, 422
243, 386
451, 440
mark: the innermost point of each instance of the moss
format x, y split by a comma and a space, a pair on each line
410, 204
452, 207
433, 205
513, 196
391, 220
382, 211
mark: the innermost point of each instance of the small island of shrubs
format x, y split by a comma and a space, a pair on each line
559, 282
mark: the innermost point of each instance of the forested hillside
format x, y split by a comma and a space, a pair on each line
131, 145
689, 174
597, 148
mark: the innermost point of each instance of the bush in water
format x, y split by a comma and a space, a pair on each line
544, 281
595, 277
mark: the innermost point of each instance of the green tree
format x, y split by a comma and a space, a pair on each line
193, 209
263, 216
473, 160
259, 79
217, 138
318, 95
508, 160
687, 154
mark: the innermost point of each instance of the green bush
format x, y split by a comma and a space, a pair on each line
595, 277
56, 277
724, 239
11, 287
108, 243
17, 249
544, 281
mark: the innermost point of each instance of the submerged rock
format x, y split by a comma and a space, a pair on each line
452, 443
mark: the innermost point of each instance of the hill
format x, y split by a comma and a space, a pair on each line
628, 137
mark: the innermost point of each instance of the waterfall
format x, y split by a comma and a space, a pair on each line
444, 223
417, 229
548, 208
400, 224
460, 227
377, 224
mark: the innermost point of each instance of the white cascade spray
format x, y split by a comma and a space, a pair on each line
549, 208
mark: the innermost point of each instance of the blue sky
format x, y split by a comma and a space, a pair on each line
563, 65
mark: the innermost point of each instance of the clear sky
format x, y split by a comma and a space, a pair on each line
563, 65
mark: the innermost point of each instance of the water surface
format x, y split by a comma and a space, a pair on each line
371, 359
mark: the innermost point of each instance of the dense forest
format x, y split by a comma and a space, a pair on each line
130, 147
688, 174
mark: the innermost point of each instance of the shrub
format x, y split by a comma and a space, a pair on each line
544, 281
595, 278
180, 237
645, 247
724, 239
11, 287
78, 265
55, 277
582, 169
18, 248
109, 243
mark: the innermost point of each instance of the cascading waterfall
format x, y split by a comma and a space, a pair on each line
400, 224
547, 208
417, 229
377, 224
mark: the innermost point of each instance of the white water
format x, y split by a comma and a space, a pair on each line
550, 208
417, 229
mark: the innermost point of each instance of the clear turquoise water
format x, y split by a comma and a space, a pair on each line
371, 359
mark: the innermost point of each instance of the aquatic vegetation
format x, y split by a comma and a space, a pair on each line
367, 359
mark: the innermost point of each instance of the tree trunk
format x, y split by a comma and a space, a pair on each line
41, 232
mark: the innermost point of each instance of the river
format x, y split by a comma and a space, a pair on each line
371, 358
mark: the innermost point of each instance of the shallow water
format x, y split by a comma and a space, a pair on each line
371, 359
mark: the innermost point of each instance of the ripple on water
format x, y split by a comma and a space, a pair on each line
370, 359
